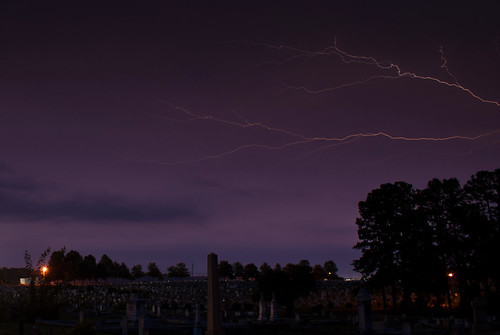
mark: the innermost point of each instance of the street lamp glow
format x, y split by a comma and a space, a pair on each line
44, 270
450, 274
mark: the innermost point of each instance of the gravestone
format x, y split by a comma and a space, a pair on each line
214, 315
262, 309
142, 328
364, 311
197, 320
274, 309
158, 310
135, 309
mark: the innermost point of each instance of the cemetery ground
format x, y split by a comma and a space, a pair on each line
170, 308
311, 324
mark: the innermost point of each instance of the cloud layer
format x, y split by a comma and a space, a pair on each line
24, 199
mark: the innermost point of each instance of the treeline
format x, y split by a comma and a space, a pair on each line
287, 283
63, 266
433, 242
327, 271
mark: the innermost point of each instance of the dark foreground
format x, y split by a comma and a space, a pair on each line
394, 325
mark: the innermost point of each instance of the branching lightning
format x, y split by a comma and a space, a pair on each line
298, 139
222, 154
445, 65
348, 58
198, 117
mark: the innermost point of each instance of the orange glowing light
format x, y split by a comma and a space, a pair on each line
44, 270
450, 274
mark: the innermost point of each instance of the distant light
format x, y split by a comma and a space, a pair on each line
44, 270
450, 274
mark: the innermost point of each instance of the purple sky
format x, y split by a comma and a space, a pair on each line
161, 133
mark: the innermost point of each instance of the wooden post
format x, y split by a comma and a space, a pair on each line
214, 316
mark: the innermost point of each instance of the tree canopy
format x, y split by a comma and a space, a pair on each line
411, 239
179, 270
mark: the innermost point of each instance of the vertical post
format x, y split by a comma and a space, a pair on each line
158, 310
364, 311
197, 317
197, 321
141, 317
140, 325
262, 309
82, 315
274, 309
214, 317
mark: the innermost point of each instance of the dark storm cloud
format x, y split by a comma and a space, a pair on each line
107, 208
22, 199
11, 182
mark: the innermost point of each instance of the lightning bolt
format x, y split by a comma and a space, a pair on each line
219, 155
397, 72
301, 139
306, 139
199, 117
445, 66
353, 137
324, 143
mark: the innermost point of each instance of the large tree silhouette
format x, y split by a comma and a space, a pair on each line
482, 193
411, 239
381, 232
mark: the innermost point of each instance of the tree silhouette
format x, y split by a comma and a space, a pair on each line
180, 270
331, 269
57, 271
73, 266
89, 268
250, 271
225, 270
442, 203
104, 268
154, 271
482, 194
411, 239
137, 272
288, 283
238, 270
381, 233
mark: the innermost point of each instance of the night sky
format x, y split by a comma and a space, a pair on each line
163, 131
